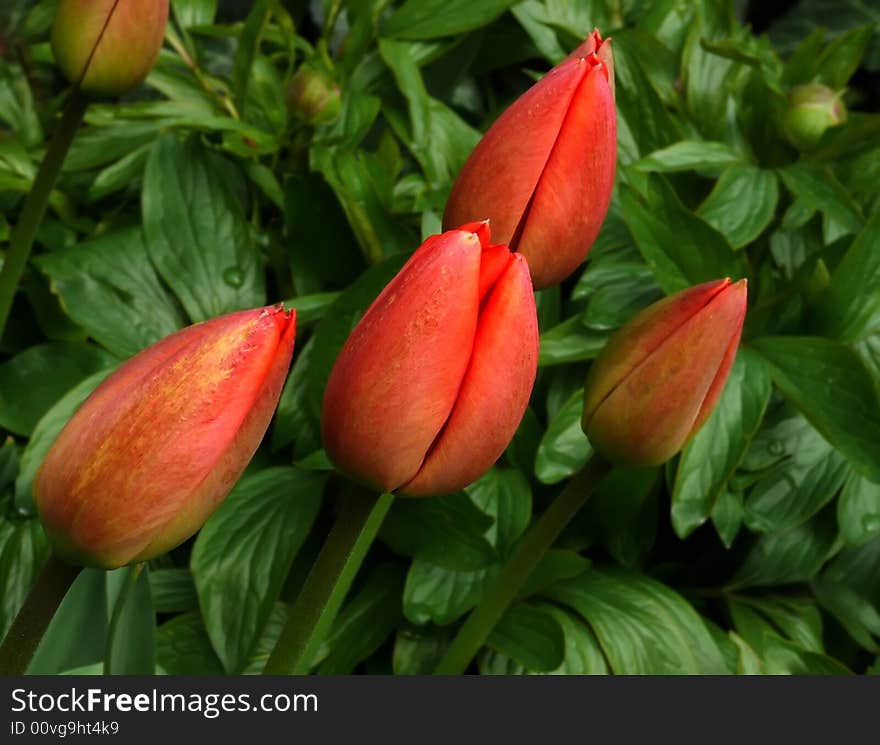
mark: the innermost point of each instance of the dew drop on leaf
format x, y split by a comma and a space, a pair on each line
233, 276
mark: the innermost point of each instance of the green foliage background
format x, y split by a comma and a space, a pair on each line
756, 550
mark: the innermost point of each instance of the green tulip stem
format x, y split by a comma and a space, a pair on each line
525, 557
33, 619
34, 207
328, 582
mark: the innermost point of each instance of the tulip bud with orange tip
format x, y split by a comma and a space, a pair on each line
159, 444
657, 380
108, 47
544, 172
431, 385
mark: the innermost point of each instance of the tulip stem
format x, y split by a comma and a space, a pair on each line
519, 567
34, 207
329, 580
33, 619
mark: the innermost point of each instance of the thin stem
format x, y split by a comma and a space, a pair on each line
118, 607
519, 567
34, 208
329, 580
33, 619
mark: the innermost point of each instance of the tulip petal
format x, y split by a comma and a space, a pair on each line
136, 457
397, 377
495, 390
572, 196
501, 174
737, 293
635, 341
649, 415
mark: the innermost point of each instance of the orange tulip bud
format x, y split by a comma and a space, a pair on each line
154, 450
544, 172
108, 47
432, 383
658, 378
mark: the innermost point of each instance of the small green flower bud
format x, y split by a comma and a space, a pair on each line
812, 109
313, 96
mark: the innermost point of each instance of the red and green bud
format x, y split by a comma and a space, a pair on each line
658, 378
432, 383
313, 96
108, 47
544, 172
159, 444
812, 109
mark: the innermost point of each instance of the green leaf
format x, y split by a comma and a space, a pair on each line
784, 658
830, 385
196, 233
570, 341
796, 617
857, 569
615, 290
854, 612
793, 556
850, 307
742, 203
439, 139
173, 590
418, 651
798, 488
131, 642
47, 429
689, 155
23, 551
364, 623
78, 631
445, 531
183, 647
642, 626
430, 19
435, 594
109, 287
244, 552
531, 636
34, 380
816, 187
841, 58
681, 249
503, 494
194, 12
712, 456
556, 564
246, 50
858, 510
564, 448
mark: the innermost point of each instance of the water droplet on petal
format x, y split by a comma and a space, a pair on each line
871, 523
233, 276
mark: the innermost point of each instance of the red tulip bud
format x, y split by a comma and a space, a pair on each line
108, 47
432, 383
154, 450
658, 378
544, 172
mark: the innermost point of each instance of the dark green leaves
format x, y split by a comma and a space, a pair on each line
244, 552
642, 626
850, 307
742, 204
830, 385
681, 249
110, 288
429, 19
196, 233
